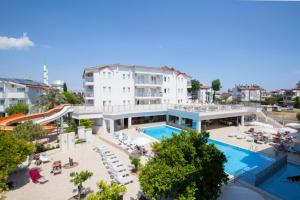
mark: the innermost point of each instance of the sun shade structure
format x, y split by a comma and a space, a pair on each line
141, 141
236, 192
255, 123
293, 125
287, 129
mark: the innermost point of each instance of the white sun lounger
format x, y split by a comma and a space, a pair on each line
249, 139
123, 180
240, 136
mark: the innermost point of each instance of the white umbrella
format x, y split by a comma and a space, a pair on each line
141, 141
268, 130
255, 123
293, 125
287, 129
237, 193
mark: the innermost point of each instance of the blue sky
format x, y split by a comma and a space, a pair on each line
235, 41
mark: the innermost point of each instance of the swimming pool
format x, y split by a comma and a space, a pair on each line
242, 159
238, 158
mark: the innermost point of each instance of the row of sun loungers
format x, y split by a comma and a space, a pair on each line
117, 170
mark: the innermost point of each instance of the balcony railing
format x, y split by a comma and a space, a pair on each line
89, 94
148, 81
15, 95
145, 94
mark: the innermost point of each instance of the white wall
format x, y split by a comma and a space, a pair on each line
116, 86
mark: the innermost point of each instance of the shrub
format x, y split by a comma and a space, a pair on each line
17, 108
87, 123
136, 162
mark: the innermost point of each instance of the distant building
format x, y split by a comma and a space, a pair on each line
58, 84
247, 93
14, 91
118, 84
205, 94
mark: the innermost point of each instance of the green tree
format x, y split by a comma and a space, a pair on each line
13, 152
65, 88
17, 109
195, 87
79, 178
72, 126
87, 123
136, 162
298, 116
50, 99
29, 131
184, 166
216, 86
110, 191
71, 98
297, 102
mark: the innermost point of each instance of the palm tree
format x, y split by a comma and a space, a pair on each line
50, 99
111, 191
79, 178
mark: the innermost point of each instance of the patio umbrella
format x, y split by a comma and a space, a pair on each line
293, 125
287, 129
268, 130
237, 193
141, 141
255, 123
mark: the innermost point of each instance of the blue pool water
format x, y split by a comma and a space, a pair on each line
238, 158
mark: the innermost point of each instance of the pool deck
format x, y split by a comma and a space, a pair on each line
59, 186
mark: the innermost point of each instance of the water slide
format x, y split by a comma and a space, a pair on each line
44, 118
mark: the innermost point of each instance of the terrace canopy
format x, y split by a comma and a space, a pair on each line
255, 123
238, 193
293, 125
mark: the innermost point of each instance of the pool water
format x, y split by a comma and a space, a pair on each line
238, 158
241, 159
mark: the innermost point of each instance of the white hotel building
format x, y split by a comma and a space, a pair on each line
134, 85
14, 91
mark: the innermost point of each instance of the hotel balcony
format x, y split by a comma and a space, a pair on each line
146, 95
189, 84
15, 95
89, 94
1, 95
88, 81
2, 108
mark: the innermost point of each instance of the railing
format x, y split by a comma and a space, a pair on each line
89, 94
148, 81
158, 107
146, 94
89, 79
136, 108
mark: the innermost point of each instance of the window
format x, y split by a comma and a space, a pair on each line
123, 89
109, 102
1, 89
123, 76
104, 74
165, 90
124, 102
128, 101
165, 79
168, 79
128, 76
104, 103
168, 90
109, 74
13, 86
2, 102
129, 89
109, 89
104, 88
21, 101
20, 89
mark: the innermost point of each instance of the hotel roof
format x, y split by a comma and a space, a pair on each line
27, 82
163, 68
